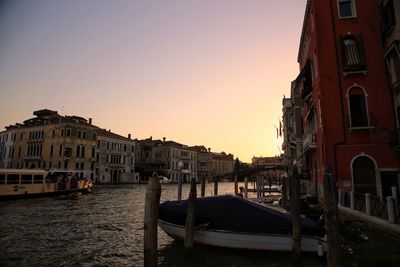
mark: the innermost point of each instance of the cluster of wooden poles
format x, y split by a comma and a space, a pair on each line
152, 201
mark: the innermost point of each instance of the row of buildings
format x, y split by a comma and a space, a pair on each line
343, 114
52, 141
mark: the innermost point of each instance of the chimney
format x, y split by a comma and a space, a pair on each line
129, 136
90, 121
209, 150
163, 139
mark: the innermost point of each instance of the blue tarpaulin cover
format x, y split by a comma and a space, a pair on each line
236, 214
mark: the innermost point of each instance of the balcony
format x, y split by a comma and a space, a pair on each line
309, 141
33, 157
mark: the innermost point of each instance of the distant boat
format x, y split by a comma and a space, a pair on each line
19, 183
233, 222
164, 180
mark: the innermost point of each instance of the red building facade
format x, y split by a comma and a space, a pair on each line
347, 112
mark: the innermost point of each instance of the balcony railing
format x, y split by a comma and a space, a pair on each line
33, 157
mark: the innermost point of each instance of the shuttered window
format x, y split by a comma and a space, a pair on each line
353, 53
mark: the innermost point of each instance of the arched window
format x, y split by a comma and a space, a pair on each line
358, 107
364, 179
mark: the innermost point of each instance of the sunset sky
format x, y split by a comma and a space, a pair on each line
199, 72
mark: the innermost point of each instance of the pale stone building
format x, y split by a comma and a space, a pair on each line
52, 141
116, 158
222, 164
169, 153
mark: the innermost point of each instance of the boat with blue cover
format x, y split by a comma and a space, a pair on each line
234, 222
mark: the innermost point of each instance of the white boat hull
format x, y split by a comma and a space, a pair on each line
239, 240
18, 183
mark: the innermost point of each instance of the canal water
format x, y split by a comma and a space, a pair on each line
105, 228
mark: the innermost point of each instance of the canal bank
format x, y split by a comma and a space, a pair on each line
367, 243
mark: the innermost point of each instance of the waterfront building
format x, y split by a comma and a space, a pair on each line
115, 158
164, 156
346, 112
52, 141
6, 148
203, 162
222, 164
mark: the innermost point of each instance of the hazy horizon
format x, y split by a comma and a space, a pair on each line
209, 73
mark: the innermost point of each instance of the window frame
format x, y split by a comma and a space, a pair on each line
388, 17
368, 117
353, 9
395, 50
361, 66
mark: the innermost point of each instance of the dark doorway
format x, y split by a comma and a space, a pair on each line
389, 179
364, 176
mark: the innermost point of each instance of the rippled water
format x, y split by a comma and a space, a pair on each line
105, 228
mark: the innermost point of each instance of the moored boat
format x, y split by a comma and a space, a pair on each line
18, 183
164, 180
234, 222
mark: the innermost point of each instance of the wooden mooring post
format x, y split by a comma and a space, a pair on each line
180, 181
246, 186
236, 185
203, 186
215, 186
284, 193
152, 202
295, 207
331, 220
190, 218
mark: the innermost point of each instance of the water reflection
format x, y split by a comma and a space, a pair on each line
105, 228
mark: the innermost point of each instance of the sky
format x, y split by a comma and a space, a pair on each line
198, 72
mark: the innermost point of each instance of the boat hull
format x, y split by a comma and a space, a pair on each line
38, 190
26, 183
239, 240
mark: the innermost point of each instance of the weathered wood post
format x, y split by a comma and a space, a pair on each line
180, 181
390, 207
295, 205
257, 186
368, 204
215, 185
152, 202
331, 220
263, 186
236, 185
203, 186
352, 200
284, 193
189, 225
246, 186
394, 193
